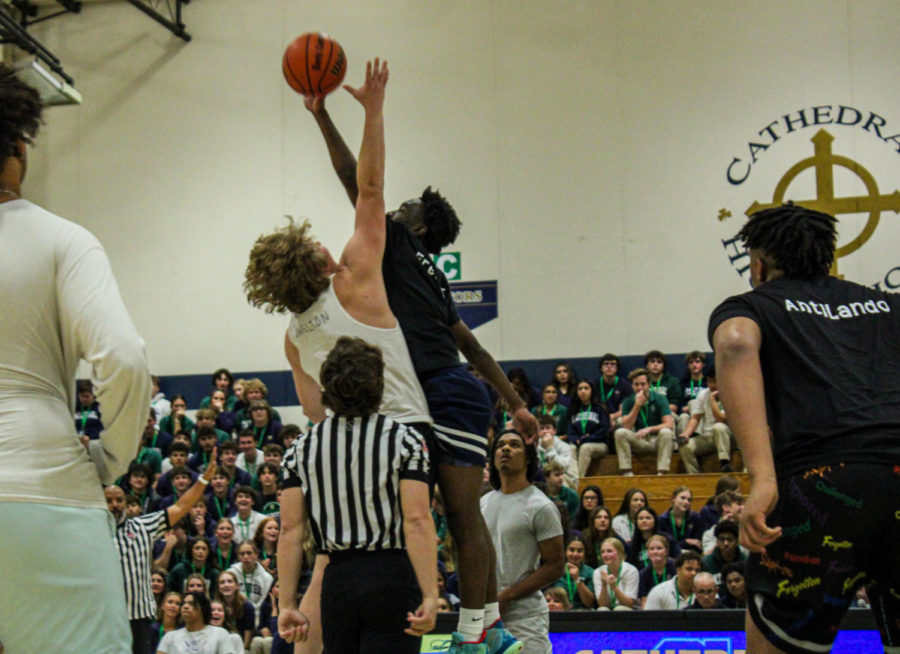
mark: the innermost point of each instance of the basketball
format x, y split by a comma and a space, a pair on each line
314, 64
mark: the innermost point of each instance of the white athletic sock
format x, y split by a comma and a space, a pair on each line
471, 624
491, 614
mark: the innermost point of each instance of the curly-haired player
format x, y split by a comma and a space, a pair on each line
58, 303
808, 371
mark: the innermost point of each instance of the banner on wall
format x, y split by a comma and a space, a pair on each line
838, 159
476, 302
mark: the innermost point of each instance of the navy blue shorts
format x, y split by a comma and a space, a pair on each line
840, 529
461, 409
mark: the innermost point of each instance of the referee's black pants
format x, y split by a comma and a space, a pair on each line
141, 636
365, 599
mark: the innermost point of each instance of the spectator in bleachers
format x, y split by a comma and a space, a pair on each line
88, 421
207, 418
661, 382
706, 592
177, 420
646, 524
149, 453
172, 548
196, 613
289, 433
220, 498
245, 520
133, 506
255, 582
591, 498
734, 586
254, 389
180, 479
268, 482
709, 514
158, 585
199, 563
729, 505
228, 455
251, 456
273, 453
707, 429
623, 523
224, 549
613, 387
179, 453
680, 523
647, 425
726, 549
557, 600
237, 607
219, 618
551, 408
588, 427
616, 581
158, 401
226, 420
564, 380
222, 380
207, 440
523, 386
557, 490
168, 618
138, 482
551, 448
262, 422
660, 568
678, 592
266, 539
238, 388
577, 581
598, 530
201, 523
691, 385
196, 583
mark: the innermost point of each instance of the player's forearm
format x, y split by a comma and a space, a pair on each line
370, 169
421, 547
545, 575
342, 158
190, 497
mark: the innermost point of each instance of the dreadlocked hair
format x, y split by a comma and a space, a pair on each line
800, 240
440, 219
20, 112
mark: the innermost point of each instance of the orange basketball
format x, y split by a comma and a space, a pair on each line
314, 64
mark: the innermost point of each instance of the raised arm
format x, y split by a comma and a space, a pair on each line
737, 342
365, 249
308, 390
342, 158
190, 497
485, 364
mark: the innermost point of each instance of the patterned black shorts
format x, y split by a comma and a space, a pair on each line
841, 530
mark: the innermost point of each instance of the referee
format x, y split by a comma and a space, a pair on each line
363, 480
134, 543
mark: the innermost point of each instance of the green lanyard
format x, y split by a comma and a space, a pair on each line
202, 569
612, 390
585, 417
656, 579
153, 442
678, 537
612, 594
261, 433
84, 418
220, 506
690, 599
221, 560
570, 587
244, 526
699, 385
644, 417
248, 586
552, 413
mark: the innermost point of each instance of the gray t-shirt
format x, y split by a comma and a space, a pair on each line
209, 640
518, 522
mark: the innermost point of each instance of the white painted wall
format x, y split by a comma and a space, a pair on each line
584, 145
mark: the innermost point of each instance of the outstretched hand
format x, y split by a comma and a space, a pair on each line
371, 94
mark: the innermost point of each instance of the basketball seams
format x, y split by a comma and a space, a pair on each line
309, 39
326, 68
300, 56
288, 70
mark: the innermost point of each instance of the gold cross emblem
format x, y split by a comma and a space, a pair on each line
824, 161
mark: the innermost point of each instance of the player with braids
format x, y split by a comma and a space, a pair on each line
59, 303
807, 367
798, 241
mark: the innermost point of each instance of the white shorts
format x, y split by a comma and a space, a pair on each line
61, 584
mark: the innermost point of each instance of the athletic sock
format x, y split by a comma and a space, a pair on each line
491, 614
471, 624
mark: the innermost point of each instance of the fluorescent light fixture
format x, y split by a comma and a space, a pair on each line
53, 91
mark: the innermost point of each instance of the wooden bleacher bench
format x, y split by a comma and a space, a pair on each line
605, 474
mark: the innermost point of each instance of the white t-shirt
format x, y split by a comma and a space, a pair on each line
517, 523
59, 303
629, 580
246, 530
700, 405
622, 528
209, 640
665, 597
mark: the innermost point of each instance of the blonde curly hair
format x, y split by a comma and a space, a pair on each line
285, 270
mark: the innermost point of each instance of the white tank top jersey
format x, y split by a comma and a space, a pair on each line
315, 331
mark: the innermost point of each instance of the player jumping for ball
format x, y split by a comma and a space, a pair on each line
816, 360
419, 295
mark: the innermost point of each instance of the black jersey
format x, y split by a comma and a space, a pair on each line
831, 367
419, 295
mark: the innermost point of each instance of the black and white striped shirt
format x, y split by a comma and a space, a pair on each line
350, 470
134, 541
